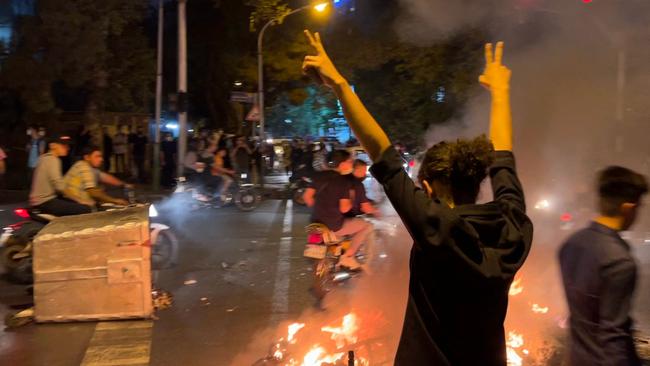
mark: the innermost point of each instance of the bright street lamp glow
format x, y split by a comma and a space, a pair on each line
321, 7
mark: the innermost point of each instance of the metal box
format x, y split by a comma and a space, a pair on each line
94, 267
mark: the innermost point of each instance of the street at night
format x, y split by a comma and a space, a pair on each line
324, 183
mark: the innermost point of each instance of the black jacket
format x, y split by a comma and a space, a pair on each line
462, 264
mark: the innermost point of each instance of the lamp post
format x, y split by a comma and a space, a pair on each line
320, 7
159, 71
182, 84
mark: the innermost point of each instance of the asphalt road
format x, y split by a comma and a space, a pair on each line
240, 278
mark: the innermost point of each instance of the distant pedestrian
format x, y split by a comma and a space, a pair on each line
241, 156
168, 149
600, 274
139, 141
35, 148
120, 148
108, 149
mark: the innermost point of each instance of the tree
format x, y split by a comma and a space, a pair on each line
407, 87
81, 54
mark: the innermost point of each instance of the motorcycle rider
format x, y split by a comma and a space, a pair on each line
48, 192
219, 170
329, 196
82, 180
361, 204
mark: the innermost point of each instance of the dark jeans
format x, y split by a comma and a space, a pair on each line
139, 165
63, 207
120, 163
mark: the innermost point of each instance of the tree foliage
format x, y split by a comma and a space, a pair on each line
406, 87
81, 54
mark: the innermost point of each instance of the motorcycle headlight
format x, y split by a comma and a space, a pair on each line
152, 211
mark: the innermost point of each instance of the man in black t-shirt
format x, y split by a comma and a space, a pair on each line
361, 204
329, 196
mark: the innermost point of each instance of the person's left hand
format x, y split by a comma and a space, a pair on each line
496, 76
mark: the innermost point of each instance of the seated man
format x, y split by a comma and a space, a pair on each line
82, 180
329, 196
219, 170
48, 186
361, 204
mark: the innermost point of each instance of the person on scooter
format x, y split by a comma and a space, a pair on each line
220, 170
329, 197
465, 255
48, 192
82, 180
361, 204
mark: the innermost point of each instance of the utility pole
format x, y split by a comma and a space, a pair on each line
182, 85
159, 73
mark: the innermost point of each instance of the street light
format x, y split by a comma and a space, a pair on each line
319, 7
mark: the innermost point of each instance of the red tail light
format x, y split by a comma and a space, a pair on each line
566, 217
412, 163
315, 239
21, 212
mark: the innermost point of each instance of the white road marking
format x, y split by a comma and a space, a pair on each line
280, 304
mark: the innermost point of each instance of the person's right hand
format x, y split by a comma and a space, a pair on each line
321, 63
496, 76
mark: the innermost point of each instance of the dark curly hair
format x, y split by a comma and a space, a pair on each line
460, 165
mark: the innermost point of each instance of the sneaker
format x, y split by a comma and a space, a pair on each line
349, 262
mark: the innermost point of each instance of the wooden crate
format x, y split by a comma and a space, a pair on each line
94, 267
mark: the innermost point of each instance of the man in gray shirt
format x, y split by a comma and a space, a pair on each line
48, 185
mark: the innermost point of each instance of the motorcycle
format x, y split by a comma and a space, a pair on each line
16, 242
298, 183
244, 194
326, 249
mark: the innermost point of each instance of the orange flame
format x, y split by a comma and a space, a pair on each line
516, 288
346, 333
514, 341
317, 356
539, 310
293, 329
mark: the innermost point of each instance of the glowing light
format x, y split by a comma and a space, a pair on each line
516, 288
346, 333
539, 310
514, 341
542, 205
171, 126
293, 329
566, 217
321, 7
317, 357
152, 211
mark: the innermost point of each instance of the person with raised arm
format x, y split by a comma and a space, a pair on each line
465, 255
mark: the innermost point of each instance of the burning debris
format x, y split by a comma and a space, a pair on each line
286, 352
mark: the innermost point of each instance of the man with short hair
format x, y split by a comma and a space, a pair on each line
329, 196
361, 204
48, 185
599, 275
82, 180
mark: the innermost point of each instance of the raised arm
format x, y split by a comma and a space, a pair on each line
496, 78
365, 128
